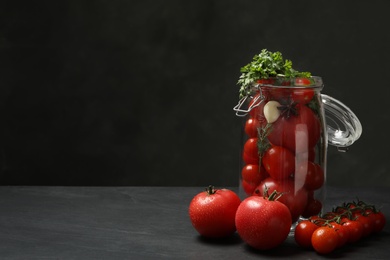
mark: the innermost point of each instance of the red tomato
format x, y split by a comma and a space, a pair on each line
366, 224
297, 133
302, 82
263, 223
303, 232
212, 212
355, 229
250, 153
279, 162
310, 175
248, 187
302, 95
251, 126
325, 240
342, 231
252, 173
379, 221
294, 199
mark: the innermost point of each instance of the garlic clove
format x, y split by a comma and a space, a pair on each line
271, 111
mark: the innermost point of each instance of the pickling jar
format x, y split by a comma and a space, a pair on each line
287, 127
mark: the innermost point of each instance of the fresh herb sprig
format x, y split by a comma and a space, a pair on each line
267, 65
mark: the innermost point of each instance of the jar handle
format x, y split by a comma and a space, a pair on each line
342, 125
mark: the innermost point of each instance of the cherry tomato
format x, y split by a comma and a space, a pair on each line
325, 240
297, 133
355, 229
342, 231
250, 152
302, 82
252, 175
310, 175
303, 233
379, 221
263, 223
302, 95
251, 126
279, 162
366, 224
248, 187
212, 212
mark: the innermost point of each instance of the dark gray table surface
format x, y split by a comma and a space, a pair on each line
143, 223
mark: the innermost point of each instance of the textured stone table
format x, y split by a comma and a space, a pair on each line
142, 223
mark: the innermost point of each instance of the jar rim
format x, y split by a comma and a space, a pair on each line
290, 83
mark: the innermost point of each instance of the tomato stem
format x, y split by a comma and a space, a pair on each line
210, 190
275, 195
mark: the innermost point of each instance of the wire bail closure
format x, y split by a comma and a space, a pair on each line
243, 112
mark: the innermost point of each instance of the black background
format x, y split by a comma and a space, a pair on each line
141, 92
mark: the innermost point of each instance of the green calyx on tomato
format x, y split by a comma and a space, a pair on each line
268, 65
210, 190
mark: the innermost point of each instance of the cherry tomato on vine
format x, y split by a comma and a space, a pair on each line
303, 233
325, 239
212, 212
342, 231
262, 222
379, 221
355, 229
366, 224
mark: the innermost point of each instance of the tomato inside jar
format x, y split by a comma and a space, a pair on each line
284, 146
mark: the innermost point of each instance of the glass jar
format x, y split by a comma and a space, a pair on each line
286, 129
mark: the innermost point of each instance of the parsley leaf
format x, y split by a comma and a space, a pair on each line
267, 65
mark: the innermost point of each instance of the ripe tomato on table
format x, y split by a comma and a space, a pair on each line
354, 228
303, 233
263, 222
325, 239
212, 212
